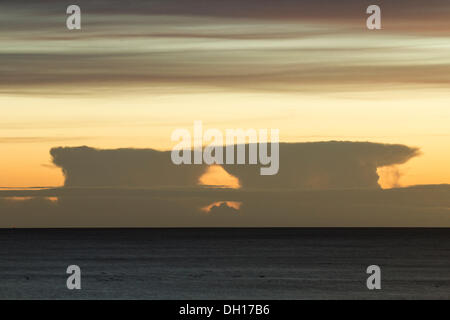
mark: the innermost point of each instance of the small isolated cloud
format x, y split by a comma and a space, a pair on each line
223, 206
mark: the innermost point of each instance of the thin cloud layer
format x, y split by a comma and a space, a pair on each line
269, 9
298, 46
310, 166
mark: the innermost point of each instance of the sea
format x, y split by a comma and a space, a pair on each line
225, 263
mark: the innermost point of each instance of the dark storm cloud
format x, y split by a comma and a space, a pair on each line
316, 165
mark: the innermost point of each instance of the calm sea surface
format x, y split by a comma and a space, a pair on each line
224, 263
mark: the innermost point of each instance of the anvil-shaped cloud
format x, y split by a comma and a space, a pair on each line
310, 166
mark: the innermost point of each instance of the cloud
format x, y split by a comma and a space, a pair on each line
84, 166
261, 68
390, 177
268, 9
422, 206
310, 166
326, 165
257, 45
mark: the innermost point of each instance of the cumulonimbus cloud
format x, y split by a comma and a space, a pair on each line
84, 166
309, 166
326, 165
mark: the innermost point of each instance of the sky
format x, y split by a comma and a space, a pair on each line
138, 70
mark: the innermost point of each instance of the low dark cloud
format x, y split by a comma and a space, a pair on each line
423, 206
315, 165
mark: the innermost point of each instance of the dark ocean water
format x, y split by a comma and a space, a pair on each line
225, 263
